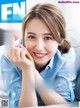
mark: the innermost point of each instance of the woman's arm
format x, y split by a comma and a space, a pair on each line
23, 60
48, 95
28, 95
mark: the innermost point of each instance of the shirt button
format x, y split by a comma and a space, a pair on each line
47, 67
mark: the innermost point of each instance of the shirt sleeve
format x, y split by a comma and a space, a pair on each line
12, 81
77, 87
65, 78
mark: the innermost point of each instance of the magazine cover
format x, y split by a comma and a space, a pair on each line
39, 53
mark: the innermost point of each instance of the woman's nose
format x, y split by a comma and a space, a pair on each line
40, 45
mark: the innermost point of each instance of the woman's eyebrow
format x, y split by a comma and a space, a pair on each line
35, 33
30, 33
47, 34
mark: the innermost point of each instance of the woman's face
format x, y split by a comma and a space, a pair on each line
39, 42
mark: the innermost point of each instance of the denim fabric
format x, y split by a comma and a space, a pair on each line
59, 74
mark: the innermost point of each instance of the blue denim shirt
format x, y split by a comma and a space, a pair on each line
60, 74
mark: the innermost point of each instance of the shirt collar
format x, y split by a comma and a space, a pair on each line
50, 63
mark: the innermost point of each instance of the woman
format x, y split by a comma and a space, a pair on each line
41, 71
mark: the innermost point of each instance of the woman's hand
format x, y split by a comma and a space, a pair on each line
20, 56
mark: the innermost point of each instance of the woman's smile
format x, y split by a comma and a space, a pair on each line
39, 55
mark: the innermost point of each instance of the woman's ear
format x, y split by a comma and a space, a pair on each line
62, 41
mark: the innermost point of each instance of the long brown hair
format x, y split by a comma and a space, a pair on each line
54, 19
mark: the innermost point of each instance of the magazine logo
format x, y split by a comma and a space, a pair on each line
12, 10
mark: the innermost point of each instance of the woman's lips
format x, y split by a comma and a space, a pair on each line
39, 55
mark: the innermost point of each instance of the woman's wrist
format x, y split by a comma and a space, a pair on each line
28, 69
28, 75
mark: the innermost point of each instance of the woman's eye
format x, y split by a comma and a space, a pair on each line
31, 37
48, 38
